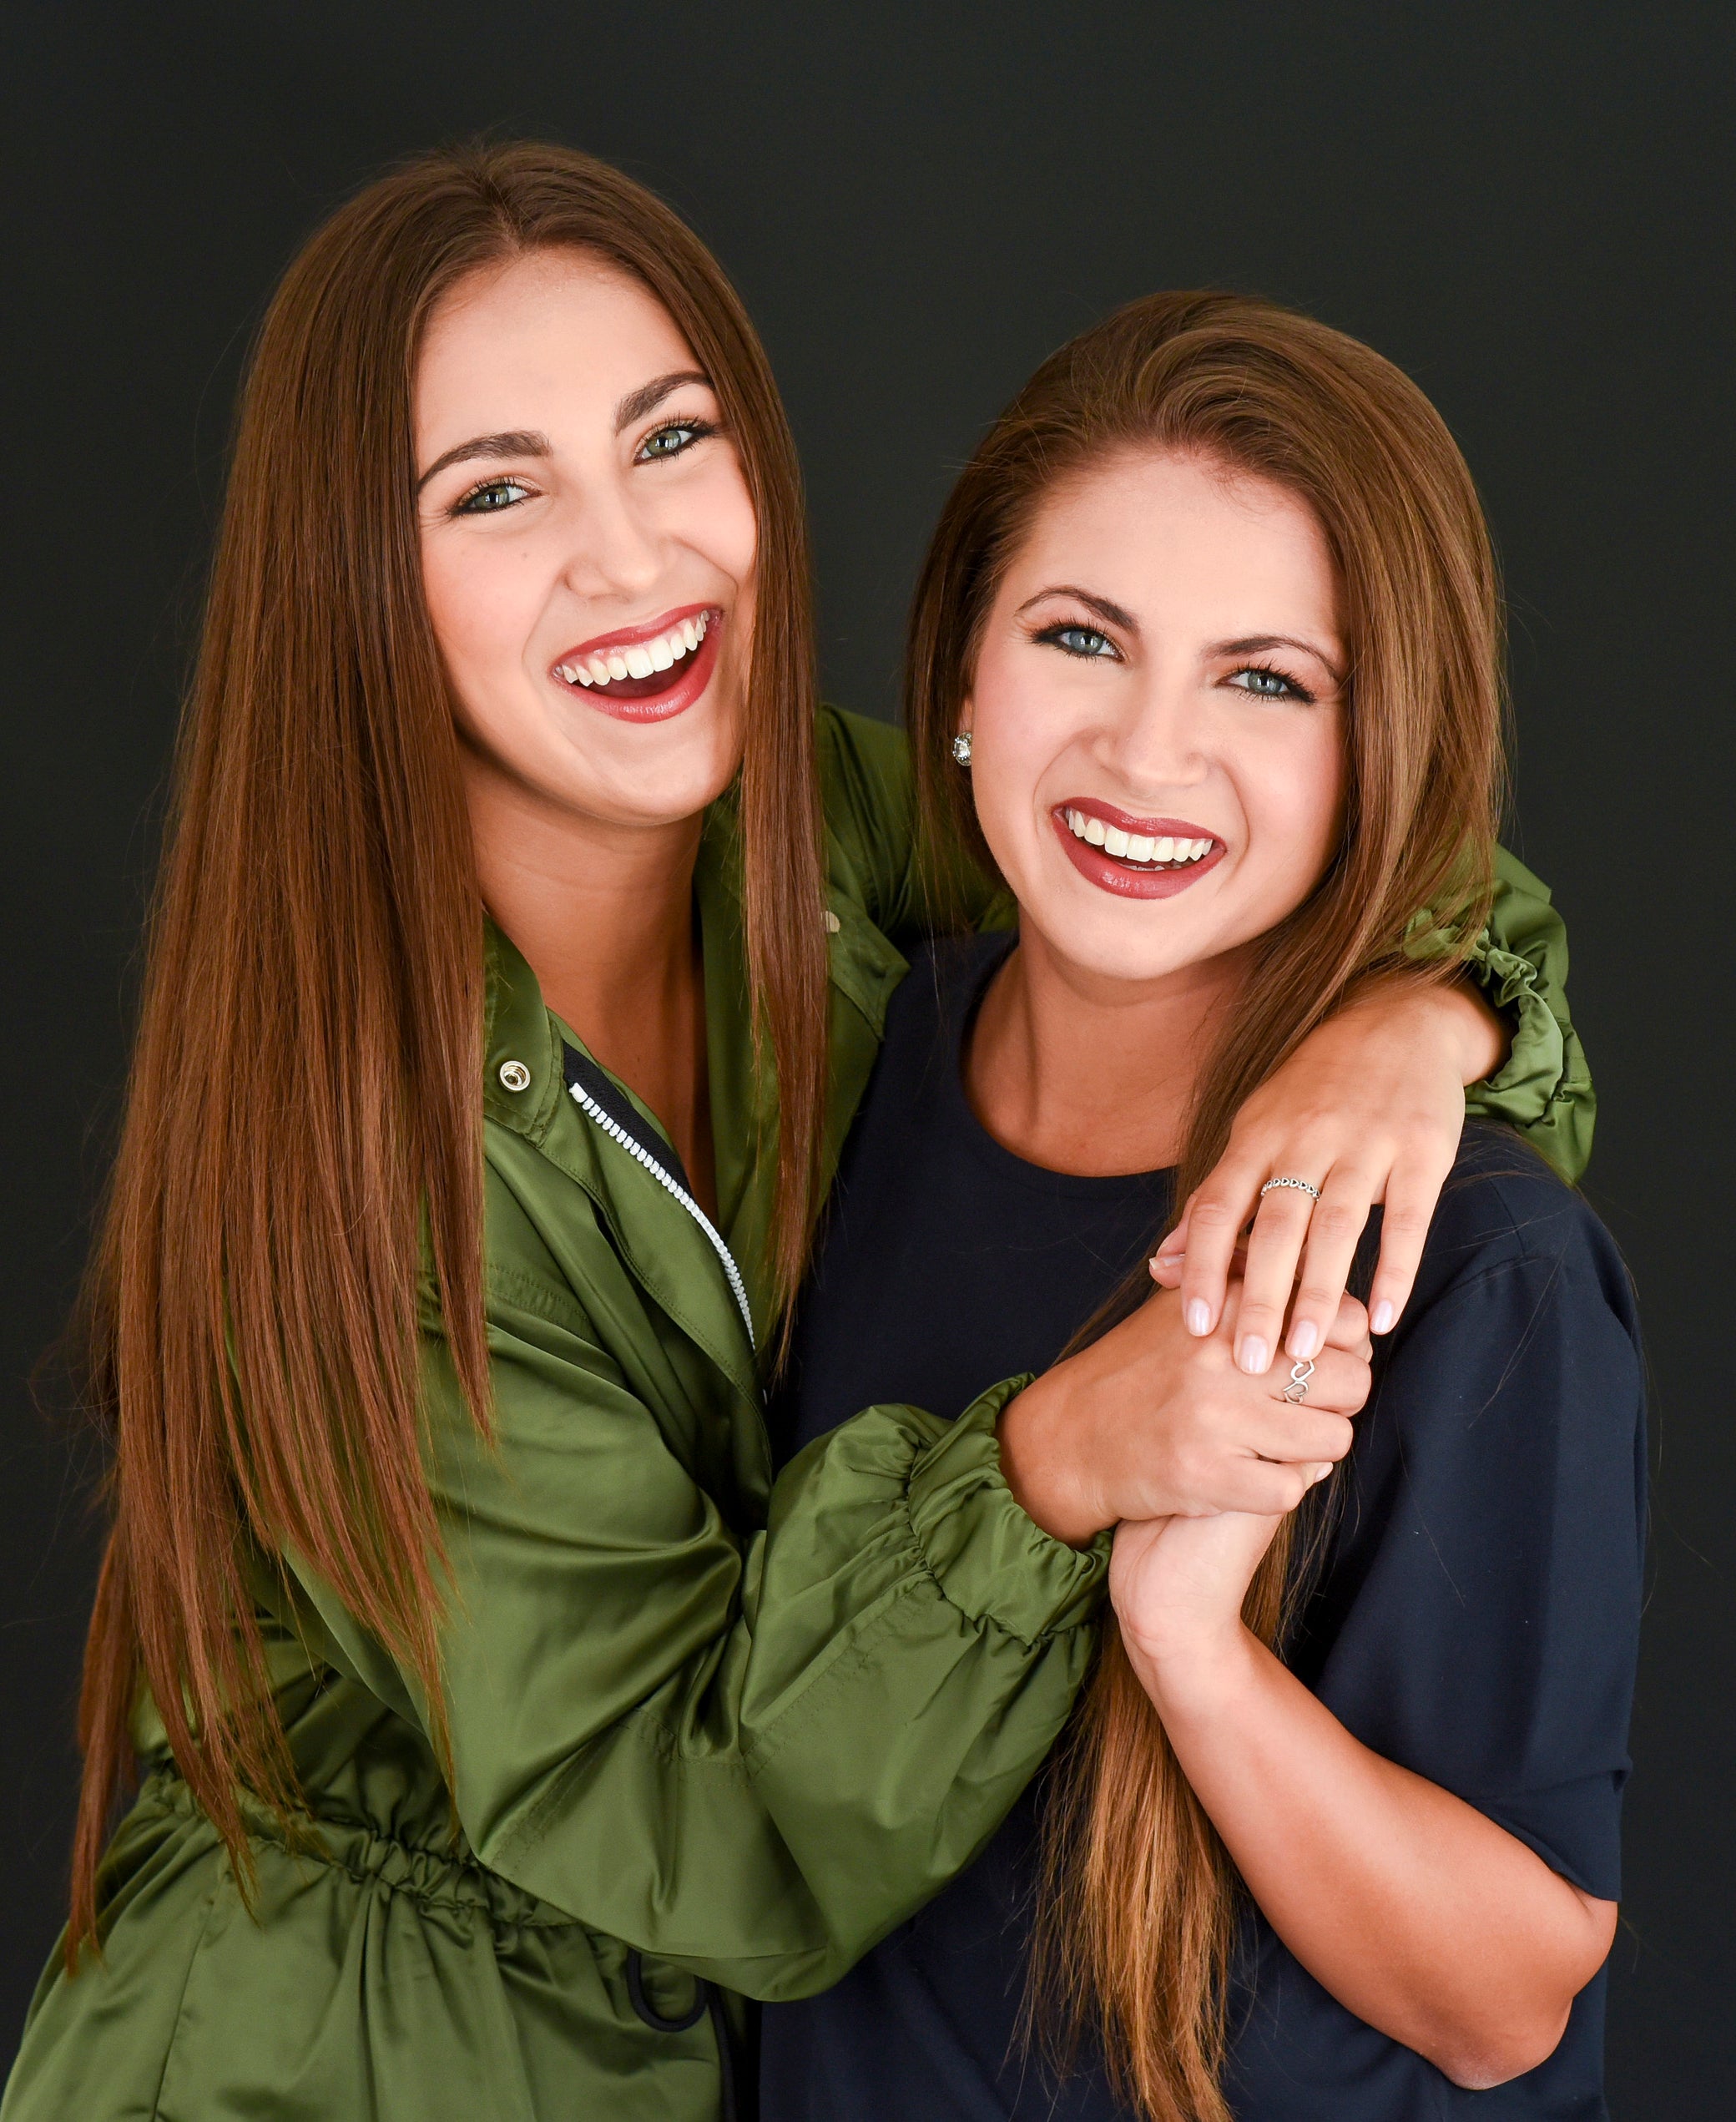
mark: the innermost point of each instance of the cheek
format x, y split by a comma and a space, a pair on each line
480, 600
1296, 802
714, 516
1014, 727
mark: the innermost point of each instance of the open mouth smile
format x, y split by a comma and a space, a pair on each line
1134, 858
648, 673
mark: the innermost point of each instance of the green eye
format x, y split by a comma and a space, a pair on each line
489, 500
679, 435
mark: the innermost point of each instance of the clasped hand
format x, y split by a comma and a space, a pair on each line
1150, 1421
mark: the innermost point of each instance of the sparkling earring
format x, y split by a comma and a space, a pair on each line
961, 747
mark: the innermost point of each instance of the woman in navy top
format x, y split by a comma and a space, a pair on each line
1212, 607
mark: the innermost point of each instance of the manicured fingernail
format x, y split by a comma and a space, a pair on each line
1169, 1259
1305, 1339
1199, 1316
1381, 1318
1319, 1476
1253, 1355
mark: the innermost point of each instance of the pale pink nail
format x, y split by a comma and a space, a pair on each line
1381, 1318
1253, 1355
1305, 1339
1199, 1316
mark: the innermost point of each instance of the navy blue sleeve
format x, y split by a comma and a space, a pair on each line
1478, 1622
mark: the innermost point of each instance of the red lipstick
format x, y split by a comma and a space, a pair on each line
646, 672
1135, 876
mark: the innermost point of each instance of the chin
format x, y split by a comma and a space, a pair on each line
658, 773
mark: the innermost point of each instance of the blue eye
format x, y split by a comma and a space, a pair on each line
1267, 684
673, 441
1079, 641
491, 497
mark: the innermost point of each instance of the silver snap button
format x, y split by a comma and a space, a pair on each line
514, 1075
832, 923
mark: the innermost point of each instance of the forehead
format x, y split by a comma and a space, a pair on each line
545, 339
1166, 534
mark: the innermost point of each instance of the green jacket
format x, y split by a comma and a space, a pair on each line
704, 1726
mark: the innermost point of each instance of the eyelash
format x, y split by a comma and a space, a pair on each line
1050, 637
1297, 691
697, 429
461, 506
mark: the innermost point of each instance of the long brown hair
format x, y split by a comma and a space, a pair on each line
1136, 1919
303, 1114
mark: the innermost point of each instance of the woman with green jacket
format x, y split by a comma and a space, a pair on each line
502, 1723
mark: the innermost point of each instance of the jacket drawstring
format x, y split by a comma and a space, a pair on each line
707, 1998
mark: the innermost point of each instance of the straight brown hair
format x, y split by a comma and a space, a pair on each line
1136, 1919
304, 1121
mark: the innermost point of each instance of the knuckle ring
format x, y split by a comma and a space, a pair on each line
1301, 1185
1297, 1389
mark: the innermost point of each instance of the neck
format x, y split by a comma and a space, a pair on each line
603, 915
1083, 1074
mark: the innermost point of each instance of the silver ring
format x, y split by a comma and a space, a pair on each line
1301, 1186
1297, 1389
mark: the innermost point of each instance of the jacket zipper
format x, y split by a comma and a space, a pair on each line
616, 1133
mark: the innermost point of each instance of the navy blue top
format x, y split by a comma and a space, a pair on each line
1476, 1619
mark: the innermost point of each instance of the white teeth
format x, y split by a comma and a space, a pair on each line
638, 660
1135, 847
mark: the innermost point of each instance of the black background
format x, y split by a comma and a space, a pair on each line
1531, 207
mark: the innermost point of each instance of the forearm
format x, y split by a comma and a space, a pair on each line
1413, 1909
749, 1754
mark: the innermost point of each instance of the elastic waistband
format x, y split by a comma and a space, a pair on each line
451, 1880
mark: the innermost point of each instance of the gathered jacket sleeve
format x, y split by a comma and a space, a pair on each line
748, 1749
1520, 959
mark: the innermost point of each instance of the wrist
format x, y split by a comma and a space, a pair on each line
1193, 1667
1481, 1040
1040, 1462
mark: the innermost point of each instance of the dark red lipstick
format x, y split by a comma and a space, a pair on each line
1157, 858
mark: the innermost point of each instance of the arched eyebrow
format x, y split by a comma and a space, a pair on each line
1102, 606
520, 441
638, 403
1254, 644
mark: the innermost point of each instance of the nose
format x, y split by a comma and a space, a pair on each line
612, 552
1158, 740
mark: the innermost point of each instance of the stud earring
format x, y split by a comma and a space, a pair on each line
961, 747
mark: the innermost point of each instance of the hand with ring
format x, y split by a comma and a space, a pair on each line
1150, 1421
1368, 1110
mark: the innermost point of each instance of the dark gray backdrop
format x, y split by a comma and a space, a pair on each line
1530, 207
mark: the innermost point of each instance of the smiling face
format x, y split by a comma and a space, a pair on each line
588, 541
1157, 715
